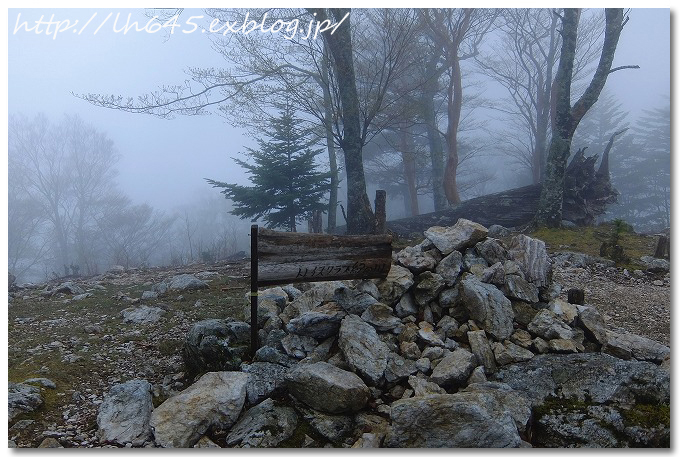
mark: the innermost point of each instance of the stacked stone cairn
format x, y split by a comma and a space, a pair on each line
466, 343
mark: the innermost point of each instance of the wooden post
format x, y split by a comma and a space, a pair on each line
253, 290
380, 212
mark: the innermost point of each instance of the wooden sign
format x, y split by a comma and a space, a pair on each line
284, 258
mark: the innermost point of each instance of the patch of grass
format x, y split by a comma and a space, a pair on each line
589, 239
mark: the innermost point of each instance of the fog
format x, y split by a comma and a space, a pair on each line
163, 162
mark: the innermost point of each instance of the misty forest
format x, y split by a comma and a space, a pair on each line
516, 179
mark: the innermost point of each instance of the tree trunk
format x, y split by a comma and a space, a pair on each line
360, 217
455, 102
567, 117
330, 145
434, 139
408, 158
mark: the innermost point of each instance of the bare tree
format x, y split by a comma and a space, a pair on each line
524, 60
458, 33
568, 116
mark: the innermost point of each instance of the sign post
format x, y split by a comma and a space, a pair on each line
284, 258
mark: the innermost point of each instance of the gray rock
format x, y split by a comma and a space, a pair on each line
521, 338
321, 323
399, 368
428, 287
353, 301
564, 310
398, 281
427, 335
276, 295
447, 326
481, 348
186, 282
450, 267
406, 306
453, 421
67, 288
473, 262
327, 388
362, 348
503, 399
205, 443
213, 345
532, 257
593, 377
413, 258
492, 251
263, 426
265, 379
454, 369
579, 260
23, 398
380, 316
449, 297
655, 265
508, 352
50, 442
461, 236
516, 287
495, 274
272, 355
477, 376
626, 345
144, 315
333, 427
409, 350
592, 323
148, 295
292, 291
548, 326
424, 365
498, 231
561, 346
125, 412
369, 287
321, 292
43, 382
524, 312
298, 346
487, 306
215, 400
422, 387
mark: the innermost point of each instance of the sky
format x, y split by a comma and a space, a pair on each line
163, 162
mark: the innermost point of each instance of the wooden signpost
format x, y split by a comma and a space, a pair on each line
284, 258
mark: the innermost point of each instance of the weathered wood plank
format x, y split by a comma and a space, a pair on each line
286, 257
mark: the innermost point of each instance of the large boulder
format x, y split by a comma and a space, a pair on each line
532, 257
592, 323
413, 258
186, 282
454, 369
320, 323
265, 379
319, 293
452, 421
365, 352
450, 267
327, 388
23, 398
263, 426
214, 345
548, 326
462, 235
353, 301
628, 345
144, 315
215, 400
125, 413
488, 307
398, 281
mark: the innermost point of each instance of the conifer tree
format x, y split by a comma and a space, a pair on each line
287, 187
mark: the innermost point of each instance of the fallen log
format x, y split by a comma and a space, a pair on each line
587, 194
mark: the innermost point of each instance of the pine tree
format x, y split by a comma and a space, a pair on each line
287, 187
643, 175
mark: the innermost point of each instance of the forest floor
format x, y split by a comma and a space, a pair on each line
85, 348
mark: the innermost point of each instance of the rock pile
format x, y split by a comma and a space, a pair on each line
466, 343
